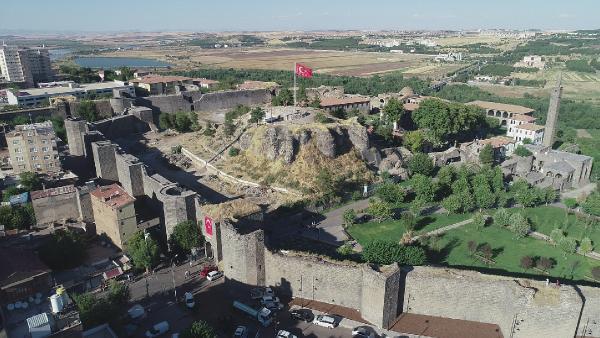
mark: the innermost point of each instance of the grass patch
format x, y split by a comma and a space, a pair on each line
508, 250
544, 219
393, 229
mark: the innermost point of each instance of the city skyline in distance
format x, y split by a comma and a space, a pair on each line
71, 16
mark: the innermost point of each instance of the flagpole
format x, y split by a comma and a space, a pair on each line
295, 66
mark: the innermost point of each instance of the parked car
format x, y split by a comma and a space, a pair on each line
273, 306
189, 300
214, 275
325, 321
136, 313
303, 315
269, 299
363, 332
240, 332
285, 334
158, 329
258, 293
206, 270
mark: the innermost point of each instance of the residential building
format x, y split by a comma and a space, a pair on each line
449, 57
22, 274
36, 96
32, 147
533, 132
502, 111
55, 204
206, 83
502, 146
160, 85
114, 213
28, 65
362, 104
531, 61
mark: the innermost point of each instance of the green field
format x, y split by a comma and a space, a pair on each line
591, 147
451, 248
393, 229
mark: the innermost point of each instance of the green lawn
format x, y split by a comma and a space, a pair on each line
508, 252
545, 219
393, 229
589, 146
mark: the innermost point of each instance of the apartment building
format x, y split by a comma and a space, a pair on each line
114, 213
533, 132
32, 147
28, 65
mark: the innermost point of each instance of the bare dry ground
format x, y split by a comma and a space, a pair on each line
327, 62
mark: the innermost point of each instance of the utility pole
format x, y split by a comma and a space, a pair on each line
173, 276
295, 65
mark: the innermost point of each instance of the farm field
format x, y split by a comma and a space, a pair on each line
328, 62
576, 85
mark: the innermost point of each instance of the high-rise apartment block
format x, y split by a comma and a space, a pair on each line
32, 147
28, 65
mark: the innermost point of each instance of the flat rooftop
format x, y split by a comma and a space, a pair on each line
67, 90
113, 195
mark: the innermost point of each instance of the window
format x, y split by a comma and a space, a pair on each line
19, 158
18, 150
29, 141
34, 158
44, 141
16, 142
33, 150
45, 149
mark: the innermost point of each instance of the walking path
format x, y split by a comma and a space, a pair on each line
443, 229
331, 229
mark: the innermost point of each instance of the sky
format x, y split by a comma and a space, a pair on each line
277, 15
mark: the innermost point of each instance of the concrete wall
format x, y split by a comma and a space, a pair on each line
165, 103
120, 126
103, 108
589, 325
541, 311
104, 153
75, 130
84, 205
35, 112
130, 173
245, 261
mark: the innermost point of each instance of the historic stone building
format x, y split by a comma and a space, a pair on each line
502, 111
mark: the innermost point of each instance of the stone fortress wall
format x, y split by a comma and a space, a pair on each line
521, 307
113, 164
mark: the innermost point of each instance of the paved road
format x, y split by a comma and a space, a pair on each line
331, 229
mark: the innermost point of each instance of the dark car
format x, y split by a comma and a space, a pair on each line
303, 315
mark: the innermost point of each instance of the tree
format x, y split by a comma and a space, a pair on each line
315, 103
380, 210
183, 123
328, 185
284, 98
94, 311
545, 264
447, 121
570, 203
422, 164
452, 203
409, 220
424, 188
592, 204
186, 236
393, 111
522, 152
256, 115
479, 220
484, 197
118, 293
64, 250
472, 246
199, 329
497, 180
502, 217
30, 181
486, 251
349, 217
556, 235
550, 195
390, 192
143, 250
87, 110
586, 246
414, 140
527, 262
322, 118
445, 177
519, 225
486, 155
416, 206
301, 95
568, 244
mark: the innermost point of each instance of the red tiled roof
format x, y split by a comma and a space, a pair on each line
498, 141
112, 273
524, 118
333, 101
17, 265
502, 107
113, 195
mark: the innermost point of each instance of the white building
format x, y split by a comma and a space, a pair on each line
25, 64
35, 96
531, 61
533, 132
449, 57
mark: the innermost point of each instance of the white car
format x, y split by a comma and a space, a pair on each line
285, 334
240, 332
158, 329
325, 321
189, 300
214, 275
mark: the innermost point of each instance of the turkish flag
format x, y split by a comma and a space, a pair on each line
208, 225
303, 71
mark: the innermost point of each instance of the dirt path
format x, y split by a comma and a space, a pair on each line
583, 133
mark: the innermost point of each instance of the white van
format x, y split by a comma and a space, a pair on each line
158, 329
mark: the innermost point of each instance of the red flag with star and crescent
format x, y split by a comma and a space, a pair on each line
303, 71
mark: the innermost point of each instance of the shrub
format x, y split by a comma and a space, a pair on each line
321, 118
527, 262
570, 203
388, 252
545, 263
568, 244
479, 220
472, 246
519, 225
422, 164
522, 151
486, 250
345, 250
586, 245
349, 217
501, 217
233, 151
556, 235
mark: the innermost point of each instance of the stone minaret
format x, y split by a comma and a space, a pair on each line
552, 117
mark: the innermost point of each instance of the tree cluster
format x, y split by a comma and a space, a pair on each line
94, 310
144, 250
186, 235
388, 252
65, 249
181, 121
